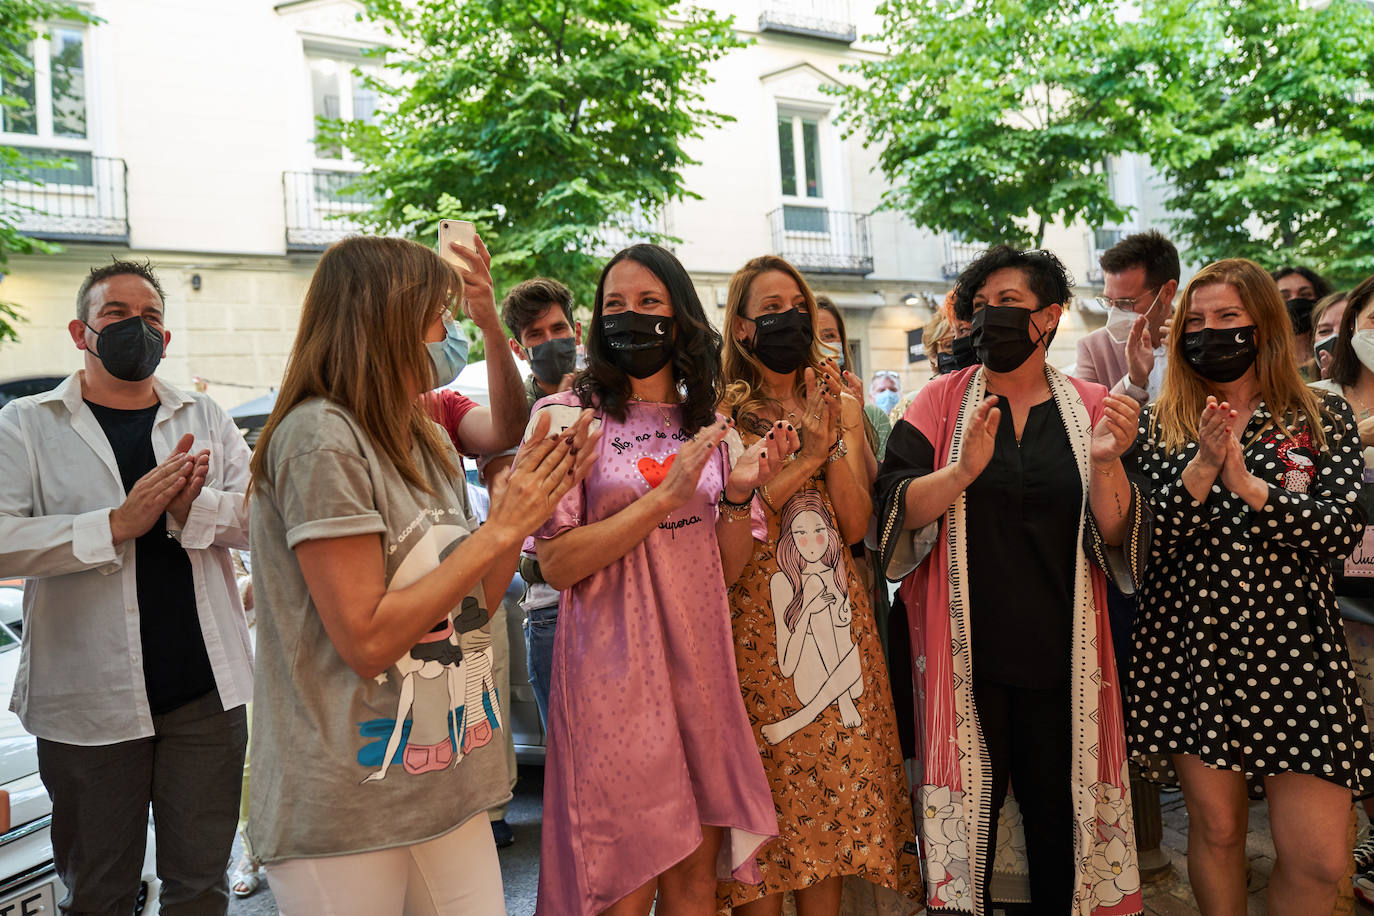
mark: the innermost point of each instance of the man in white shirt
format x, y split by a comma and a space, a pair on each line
1141, 278
119, 501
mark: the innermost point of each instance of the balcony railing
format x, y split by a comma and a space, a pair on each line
959, 254
1102, 239
828, 19
319, 212
824, 241
81, 198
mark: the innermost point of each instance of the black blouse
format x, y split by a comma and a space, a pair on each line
1022, 518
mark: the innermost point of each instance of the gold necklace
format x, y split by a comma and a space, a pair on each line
667, 424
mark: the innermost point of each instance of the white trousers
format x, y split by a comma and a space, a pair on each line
457, 874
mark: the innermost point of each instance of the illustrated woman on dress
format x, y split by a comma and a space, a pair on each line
809, 659
368, 566
653, 787
1240, 665
1003, 489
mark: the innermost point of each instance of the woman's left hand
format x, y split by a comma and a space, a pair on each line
853, 384
831, 387
1117, 429
479, 293
1235, 476
761, 462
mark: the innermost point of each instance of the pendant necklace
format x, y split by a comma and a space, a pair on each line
666, 422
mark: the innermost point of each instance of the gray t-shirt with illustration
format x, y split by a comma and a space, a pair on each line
343, 764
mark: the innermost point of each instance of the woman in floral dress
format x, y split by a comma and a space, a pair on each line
806, 644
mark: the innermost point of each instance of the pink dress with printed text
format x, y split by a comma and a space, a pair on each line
648, 736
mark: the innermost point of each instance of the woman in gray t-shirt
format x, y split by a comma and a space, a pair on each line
374, 706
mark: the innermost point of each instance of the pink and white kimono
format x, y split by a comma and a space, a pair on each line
953, 769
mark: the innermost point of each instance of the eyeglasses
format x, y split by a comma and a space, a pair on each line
1127, 303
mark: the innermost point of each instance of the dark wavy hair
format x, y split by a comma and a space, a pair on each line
1149, 250
1345, 365
696, 348
1320, 285
1046, 275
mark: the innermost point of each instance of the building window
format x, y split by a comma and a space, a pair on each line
339, 90
50, 103
799, 151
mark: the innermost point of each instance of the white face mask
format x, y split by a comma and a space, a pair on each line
1119, 323
1363, 344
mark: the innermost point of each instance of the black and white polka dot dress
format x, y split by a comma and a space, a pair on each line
1239, 653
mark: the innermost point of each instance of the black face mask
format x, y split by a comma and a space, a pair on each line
638, 345
1220, 354
1300, 313
1001, 337
553, 359
1327, 346
960, 356
782, 340
130, 349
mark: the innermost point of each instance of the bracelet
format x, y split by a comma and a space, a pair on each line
1105, 473
763, 495
733, 511
727, 501
837, 451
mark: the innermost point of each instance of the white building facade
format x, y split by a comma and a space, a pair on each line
189, 126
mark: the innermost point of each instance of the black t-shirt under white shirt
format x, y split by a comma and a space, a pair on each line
176, 668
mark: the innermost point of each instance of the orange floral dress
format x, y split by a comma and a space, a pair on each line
816, 689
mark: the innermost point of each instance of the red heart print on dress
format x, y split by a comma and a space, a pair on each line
654, 472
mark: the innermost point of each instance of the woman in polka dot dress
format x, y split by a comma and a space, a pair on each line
1240, 665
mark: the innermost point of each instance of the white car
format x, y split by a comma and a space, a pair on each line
29, 885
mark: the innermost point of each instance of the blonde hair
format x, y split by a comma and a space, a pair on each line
360, 344
743, 371
1184, 394
936, 328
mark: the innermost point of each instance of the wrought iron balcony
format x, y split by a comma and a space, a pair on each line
319, 211
827, 19
76, 198
820, 240
959, 254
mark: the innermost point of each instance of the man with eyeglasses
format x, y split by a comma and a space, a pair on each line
1141, 277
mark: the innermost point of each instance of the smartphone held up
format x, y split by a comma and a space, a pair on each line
460, 231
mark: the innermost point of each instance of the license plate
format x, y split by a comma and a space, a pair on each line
30, 903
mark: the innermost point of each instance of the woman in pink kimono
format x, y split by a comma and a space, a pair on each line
1002, 499
653, 786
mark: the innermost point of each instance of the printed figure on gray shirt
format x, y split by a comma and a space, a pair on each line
431, 686
445, 678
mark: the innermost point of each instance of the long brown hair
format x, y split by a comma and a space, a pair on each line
1345, 365
360, 344
743, 371
1184, 393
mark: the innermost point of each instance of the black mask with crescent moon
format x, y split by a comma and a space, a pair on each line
782, 340
638, 345
1221, 354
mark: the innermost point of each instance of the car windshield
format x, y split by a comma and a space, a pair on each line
12, 607
8, 640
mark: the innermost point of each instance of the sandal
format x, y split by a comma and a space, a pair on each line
247, 879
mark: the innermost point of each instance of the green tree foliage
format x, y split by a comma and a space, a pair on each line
995, 117
1265, 134
18, 19
556, 125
